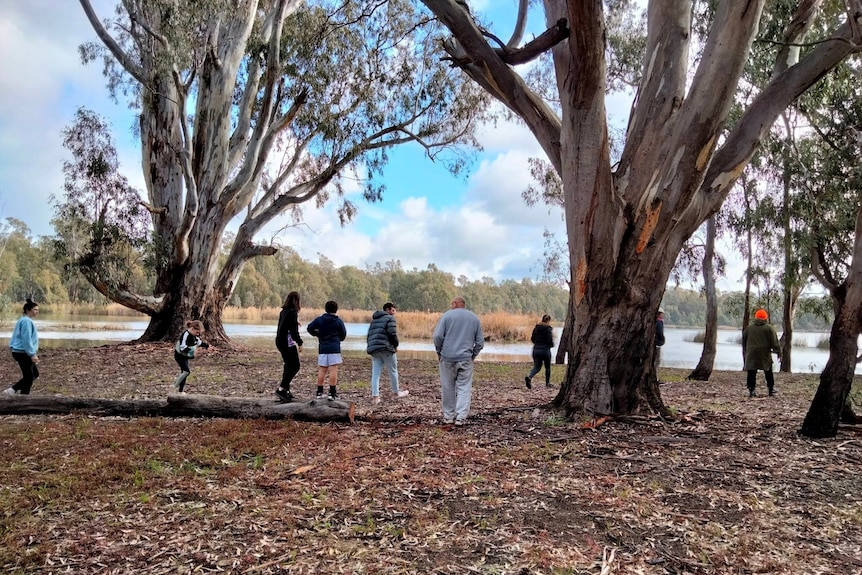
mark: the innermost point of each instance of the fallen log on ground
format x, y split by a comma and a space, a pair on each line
180, 405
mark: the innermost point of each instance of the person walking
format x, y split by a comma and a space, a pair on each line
543, 340
659, 341
289, 344
759, 342
382, 345
330, 332
458, 340
24, 344
185, 349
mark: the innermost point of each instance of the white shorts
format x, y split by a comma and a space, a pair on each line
328, 359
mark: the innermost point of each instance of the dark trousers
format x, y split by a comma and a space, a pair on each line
182, 361
290, 357
29, 372
541, 357
752, 379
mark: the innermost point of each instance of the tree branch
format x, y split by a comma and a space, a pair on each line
125, 61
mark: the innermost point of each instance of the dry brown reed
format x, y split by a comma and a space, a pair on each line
498, 326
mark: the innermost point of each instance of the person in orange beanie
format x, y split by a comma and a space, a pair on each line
759, 342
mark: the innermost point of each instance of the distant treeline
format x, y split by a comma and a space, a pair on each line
28, 268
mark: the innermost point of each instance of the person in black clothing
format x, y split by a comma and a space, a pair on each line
289, 344
659, 340
185, 349
543, 341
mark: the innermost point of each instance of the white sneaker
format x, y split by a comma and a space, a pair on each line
403, 393
9, 391
375, 400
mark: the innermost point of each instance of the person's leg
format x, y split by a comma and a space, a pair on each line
25, 362
448, 371
464, 390
751, 381
322, 367
390, 360
333, 381
291, 366
183, 362
547, 361
770, 381
537, 365
376, 369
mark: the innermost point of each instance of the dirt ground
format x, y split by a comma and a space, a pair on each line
728, 487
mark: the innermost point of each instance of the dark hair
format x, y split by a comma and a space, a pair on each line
331, 306
30, 304
195, 323
546, 318
292, 301
389, 305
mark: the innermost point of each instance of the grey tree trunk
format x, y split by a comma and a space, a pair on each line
830, 400
704, 366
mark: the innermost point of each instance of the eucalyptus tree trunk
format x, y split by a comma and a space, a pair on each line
626, 226
836, 379
704, 366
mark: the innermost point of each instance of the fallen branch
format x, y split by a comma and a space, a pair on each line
180, 405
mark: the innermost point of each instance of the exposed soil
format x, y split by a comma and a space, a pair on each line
728, 487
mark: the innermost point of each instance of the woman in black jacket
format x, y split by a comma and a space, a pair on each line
543, 341
289, 343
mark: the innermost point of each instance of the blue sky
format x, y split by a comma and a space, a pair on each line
475, 225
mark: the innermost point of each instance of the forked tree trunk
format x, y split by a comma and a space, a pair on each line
710, 339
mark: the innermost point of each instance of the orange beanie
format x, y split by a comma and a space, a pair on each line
761, 314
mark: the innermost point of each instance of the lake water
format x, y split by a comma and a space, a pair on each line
679, 350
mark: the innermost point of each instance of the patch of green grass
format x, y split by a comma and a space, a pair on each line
555, 420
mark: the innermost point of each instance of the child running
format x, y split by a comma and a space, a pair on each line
185, 349
330, 332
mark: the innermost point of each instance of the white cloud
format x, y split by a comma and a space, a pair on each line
41, 84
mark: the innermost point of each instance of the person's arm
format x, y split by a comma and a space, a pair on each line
293, 327
342, 330
312, 327
392, 332
478, 340
31, 339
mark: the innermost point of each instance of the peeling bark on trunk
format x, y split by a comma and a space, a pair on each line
178, 405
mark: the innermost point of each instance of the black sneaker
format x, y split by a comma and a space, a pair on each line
332, 397
772, 393
528, 383
751, 393
319, 395
284, 395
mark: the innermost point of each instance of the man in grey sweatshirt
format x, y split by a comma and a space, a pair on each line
458, 340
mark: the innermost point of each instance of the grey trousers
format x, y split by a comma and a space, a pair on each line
456, 388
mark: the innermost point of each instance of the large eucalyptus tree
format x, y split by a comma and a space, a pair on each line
249, 108
627, 221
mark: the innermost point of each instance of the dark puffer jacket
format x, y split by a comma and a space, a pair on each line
382, 333
542, 337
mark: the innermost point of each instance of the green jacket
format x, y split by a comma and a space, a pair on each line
759, 342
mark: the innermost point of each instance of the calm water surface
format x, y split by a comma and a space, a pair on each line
679, 351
